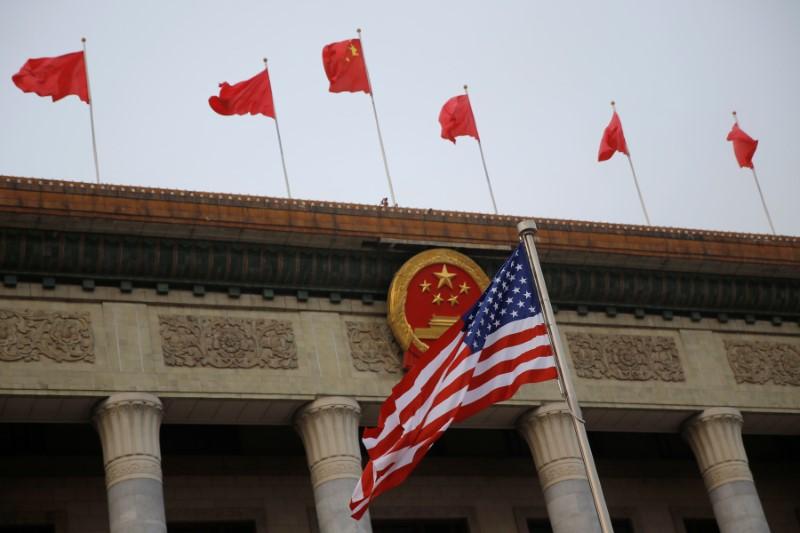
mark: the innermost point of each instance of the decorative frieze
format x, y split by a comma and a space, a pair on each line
373, 347
227, 342
625, 357
32, 335
761, 362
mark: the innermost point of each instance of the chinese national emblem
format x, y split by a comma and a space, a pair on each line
428, 295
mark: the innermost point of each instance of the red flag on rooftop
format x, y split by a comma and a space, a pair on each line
345, 67
744, 146
498, 345
613, 139
56, 77
253, 96
457, 119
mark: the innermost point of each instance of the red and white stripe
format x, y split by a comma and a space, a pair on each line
450, 384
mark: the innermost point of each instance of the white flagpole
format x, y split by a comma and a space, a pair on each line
280, 143
483, 160
527, 230
91, 111
377, 124
758, 186
635, 180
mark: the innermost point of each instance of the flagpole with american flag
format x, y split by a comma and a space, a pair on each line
91, 110
500, 344
527, 231
758, 185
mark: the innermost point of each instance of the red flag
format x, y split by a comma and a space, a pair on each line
457, 119
482, 359
56, 77
744, 146
345, 67
253, 96
613, 139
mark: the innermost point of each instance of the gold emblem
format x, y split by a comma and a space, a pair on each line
420, 288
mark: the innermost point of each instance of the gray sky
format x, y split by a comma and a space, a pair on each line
541, 76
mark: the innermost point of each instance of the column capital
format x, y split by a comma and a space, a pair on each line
553, 443
715, 436
128, 424
328, 427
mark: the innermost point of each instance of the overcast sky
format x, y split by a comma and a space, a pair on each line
541, 76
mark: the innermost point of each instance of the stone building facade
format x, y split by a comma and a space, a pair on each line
184, 361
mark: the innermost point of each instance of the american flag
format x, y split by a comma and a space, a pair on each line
496, 347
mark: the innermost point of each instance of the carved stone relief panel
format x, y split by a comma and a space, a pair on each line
762, 361
625, 357
227, 342
32, 335
373, 347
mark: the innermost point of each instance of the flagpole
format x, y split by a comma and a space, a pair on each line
483, 160
280, 143
758, 185
377, 124
635, 179
527, 230
91, 111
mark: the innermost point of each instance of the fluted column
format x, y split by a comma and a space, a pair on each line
329, 429
562, 474
715, 436
128, 425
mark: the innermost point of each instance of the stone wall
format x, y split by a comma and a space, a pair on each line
67, 342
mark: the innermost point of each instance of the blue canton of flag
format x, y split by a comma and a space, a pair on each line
511, 296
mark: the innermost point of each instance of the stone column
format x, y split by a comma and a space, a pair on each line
329, 429
715, 436
554, 445
128, 425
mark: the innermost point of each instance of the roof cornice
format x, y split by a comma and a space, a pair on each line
41, 203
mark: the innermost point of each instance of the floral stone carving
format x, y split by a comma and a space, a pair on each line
625, 357
761, 361
31, 335
225, 342
373, 347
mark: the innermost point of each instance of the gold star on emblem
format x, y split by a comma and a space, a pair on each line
437, 298
445, 277
426, 285
464, 288
353, 50
453, 300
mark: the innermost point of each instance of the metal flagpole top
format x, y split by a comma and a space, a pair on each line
526, 226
